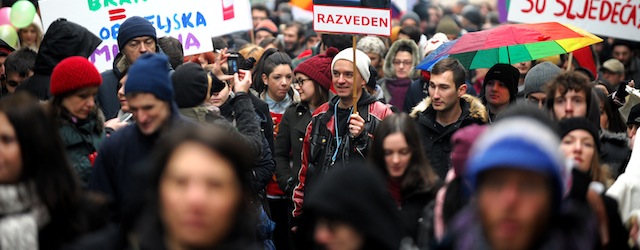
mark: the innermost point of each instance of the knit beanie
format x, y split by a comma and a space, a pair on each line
507, 74
410, 15
267, 25
149, 74
571, 124
461, 142
634, 115
473, 15
135, 27
519, 143
538, 76
362, 61
74, 73
448, 26
372, 44
191, 85
317, 68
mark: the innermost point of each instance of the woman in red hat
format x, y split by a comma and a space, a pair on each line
74, 84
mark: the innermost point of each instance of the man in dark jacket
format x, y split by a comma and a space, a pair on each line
63, 39
499, 89
150, 97
336, 133
136, 37
446, 110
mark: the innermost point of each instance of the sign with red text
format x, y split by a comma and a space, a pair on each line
352, 20
192, 22
612, 18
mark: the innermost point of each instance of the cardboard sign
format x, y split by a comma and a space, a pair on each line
352, 20
192, 22
612, 18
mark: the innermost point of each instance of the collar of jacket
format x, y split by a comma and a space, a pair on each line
472, 108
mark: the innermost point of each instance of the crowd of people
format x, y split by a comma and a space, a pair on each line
314, 144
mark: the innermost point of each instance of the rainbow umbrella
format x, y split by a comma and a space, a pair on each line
436, 56
514, 43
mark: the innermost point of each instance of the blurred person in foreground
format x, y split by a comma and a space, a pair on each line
350, 210
41, 202
517, 177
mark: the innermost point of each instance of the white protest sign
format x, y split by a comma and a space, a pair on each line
192, 22
612, 18
352, 20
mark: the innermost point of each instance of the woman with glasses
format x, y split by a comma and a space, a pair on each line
399, 71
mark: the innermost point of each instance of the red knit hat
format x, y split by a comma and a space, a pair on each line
318, 68
74, 73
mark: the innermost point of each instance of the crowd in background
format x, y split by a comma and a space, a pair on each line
296, 150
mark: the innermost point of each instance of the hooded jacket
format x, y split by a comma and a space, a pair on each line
355, 194
395, 89
438, 145
320, 143
63, 39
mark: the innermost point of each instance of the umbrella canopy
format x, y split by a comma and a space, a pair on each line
514, 43
436, 55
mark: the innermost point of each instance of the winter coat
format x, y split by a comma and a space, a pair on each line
320, 143
81, 140
438, 145
288, 153
626, 189
121, 155
239, 111
614, 151
411, 211
63, 39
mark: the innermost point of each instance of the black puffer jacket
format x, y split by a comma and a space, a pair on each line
63, 39
438, 145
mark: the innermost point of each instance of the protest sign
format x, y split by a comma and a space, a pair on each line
192, 22
612, 18
352, 17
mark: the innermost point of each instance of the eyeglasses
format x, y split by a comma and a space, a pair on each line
298, 82
397, 63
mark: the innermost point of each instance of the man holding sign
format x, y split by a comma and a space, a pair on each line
337, 134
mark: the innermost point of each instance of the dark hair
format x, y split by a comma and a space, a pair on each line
405, 48
453, 65
412, 31
616, 123
44, 160
338, 41
21, 62
268, 62
261, 7
301, 28
320, 95
62, 115
219, 42
419, 171
272, 40
217, 140
566, 81
173, 49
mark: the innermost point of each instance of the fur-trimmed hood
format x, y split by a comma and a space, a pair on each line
476, 109
388, 60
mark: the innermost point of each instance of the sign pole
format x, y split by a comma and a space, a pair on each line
355, 76
570, 62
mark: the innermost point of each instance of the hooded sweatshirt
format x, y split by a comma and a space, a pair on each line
63, 39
